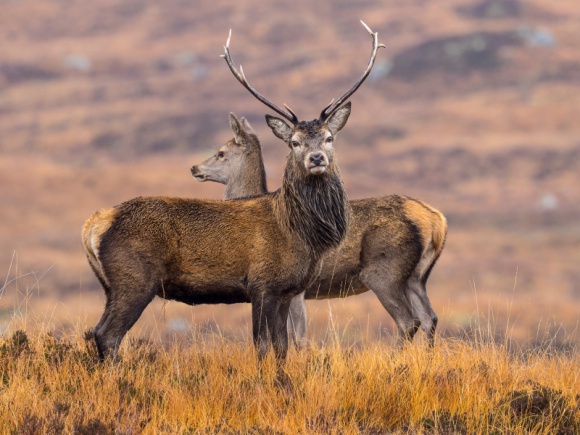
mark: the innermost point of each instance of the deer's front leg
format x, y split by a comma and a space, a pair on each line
280, 342
264, 312
280, 334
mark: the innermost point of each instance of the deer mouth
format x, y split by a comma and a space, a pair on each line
317, 169
198, 175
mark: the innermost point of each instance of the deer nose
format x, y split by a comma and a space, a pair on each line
317, 158
193, 170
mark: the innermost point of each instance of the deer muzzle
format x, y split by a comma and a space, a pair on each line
316, 162
197, 174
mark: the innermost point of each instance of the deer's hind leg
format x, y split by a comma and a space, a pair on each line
107, 290
417, 293
389, 257
125, 304
421, 306
389, 286
297, 320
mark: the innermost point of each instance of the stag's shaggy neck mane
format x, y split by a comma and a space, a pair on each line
313, 207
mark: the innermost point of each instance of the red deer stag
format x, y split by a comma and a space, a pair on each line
264, 250
391, 246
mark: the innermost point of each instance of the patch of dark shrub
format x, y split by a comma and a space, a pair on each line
534, 406
492, 9
15, 73
457, 55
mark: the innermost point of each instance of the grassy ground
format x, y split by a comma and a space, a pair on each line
211, 384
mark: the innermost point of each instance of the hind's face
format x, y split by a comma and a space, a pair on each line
220, 167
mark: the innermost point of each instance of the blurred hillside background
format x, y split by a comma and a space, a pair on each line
472, 107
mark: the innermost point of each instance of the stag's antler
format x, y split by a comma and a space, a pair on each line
289, 115
328, 110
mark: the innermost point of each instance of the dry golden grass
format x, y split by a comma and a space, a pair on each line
209, 384
485, 148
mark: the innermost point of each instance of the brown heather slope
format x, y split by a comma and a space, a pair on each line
52, 385
471, 107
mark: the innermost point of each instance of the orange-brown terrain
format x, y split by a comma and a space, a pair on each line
471, 107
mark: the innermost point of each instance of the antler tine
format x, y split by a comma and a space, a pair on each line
290, 115
329, 104
328, 110
367, 27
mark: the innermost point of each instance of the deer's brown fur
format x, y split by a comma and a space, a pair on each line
262, 250
391, 246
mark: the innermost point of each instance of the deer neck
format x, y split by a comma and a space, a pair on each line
249, 180
314, 208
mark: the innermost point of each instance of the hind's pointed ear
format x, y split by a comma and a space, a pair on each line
279, 127
338, 119
237, 129
246, 126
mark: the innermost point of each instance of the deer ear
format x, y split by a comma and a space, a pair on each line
239, 134
279, 127
338, 119
246, 126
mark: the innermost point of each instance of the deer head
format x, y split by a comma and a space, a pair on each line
311, 142
237, 164
230, 158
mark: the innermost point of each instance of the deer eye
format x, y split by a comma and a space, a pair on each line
220, 154
295, 143
329, 139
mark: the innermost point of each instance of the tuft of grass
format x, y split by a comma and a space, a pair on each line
52, 384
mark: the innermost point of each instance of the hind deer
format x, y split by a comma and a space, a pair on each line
390, 248
264, 250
